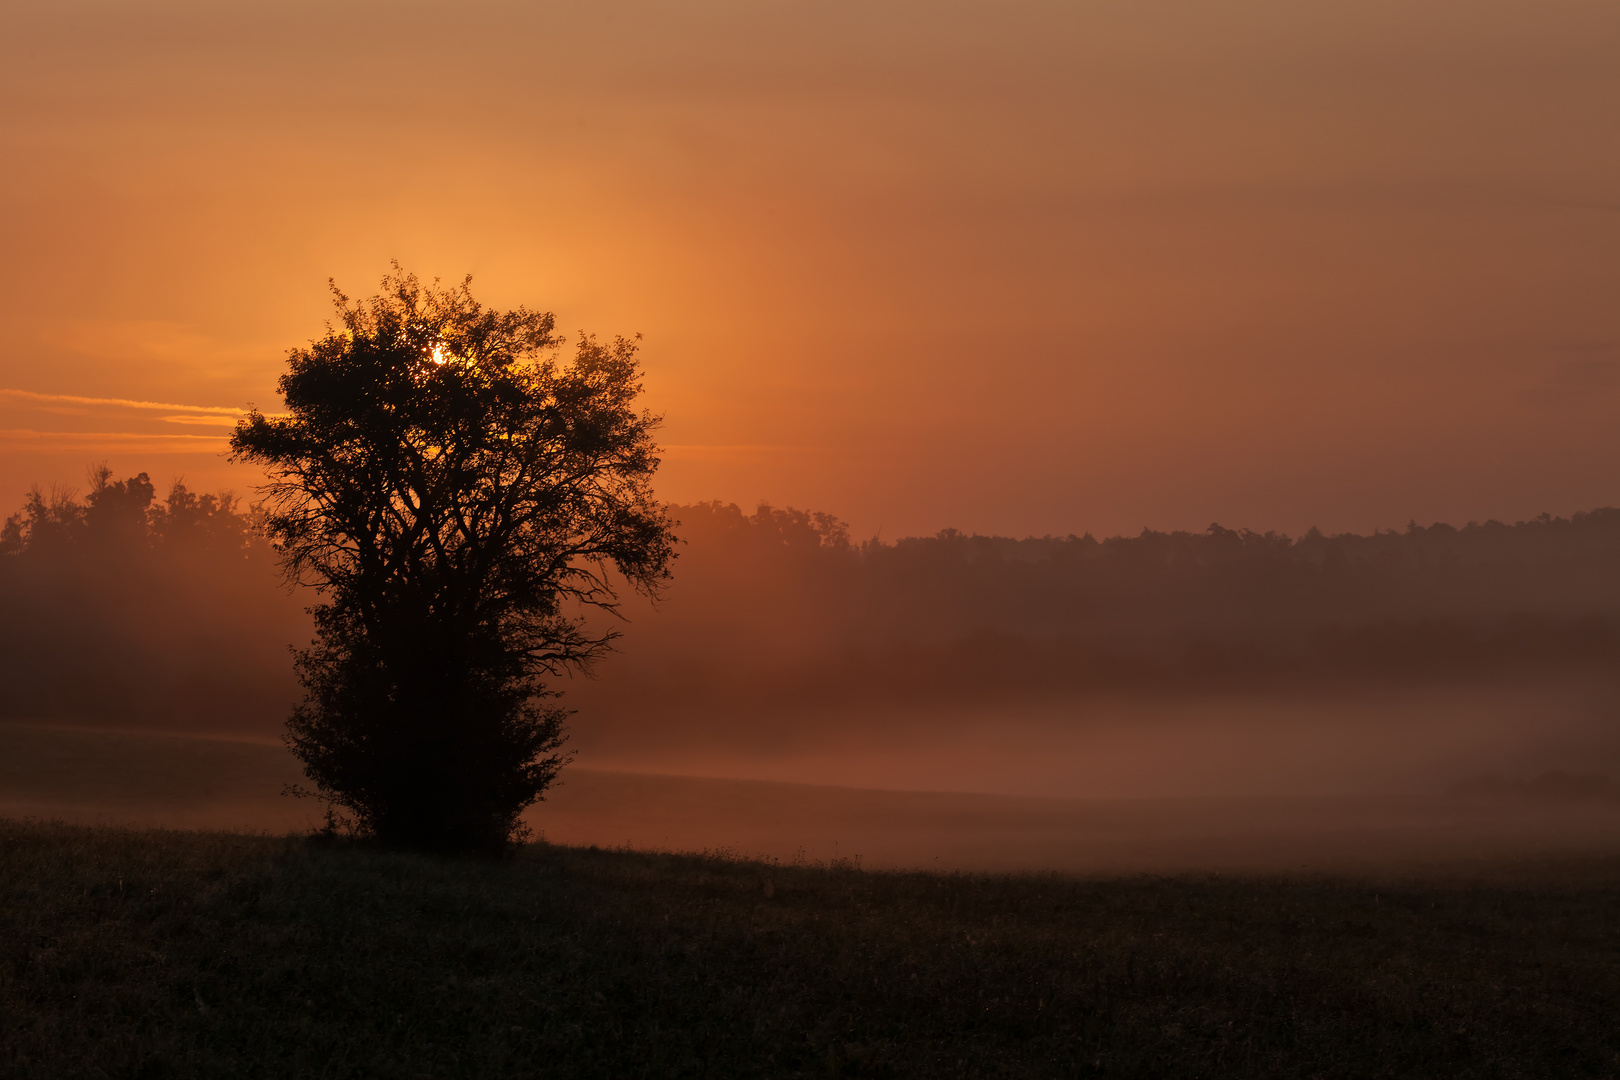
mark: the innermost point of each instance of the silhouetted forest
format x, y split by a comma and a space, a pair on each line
782, 605
121, 607
130, 609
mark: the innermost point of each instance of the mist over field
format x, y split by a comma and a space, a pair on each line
876, 538
1221, 662
1016, 269
1165, 699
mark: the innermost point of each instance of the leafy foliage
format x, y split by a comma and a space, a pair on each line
124, 519
457, 495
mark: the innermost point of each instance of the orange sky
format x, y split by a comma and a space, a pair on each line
1012, 267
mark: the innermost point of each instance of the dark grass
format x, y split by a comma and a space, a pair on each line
144, 954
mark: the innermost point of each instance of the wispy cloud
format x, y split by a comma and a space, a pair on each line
208, 419
731, 451
111, 442
125, 403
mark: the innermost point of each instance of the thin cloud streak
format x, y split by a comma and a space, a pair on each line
733, 451
126, 403
111, 441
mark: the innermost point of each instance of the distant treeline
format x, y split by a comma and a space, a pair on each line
122, 607
1127, 588
781, 606
127, 609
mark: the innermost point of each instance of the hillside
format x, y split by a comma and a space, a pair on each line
168, 954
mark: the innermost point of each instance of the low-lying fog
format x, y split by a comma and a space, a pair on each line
1169, 701
1390, 741
1429, 778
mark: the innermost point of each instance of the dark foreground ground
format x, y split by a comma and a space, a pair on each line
143, 954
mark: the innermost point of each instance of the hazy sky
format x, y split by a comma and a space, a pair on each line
1013, 267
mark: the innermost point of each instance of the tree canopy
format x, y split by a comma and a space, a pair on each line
459, 496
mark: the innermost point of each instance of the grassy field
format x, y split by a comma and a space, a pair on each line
146, 954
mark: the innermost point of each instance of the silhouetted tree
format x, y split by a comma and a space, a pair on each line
457, 496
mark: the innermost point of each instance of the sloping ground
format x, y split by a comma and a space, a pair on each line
165, 954
946, 831
186, 782
175, 781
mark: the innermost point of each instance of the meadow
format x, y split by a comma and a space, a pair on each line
127, 953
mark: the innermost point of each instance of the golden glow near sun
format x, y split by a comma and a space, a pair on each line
1222, 271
